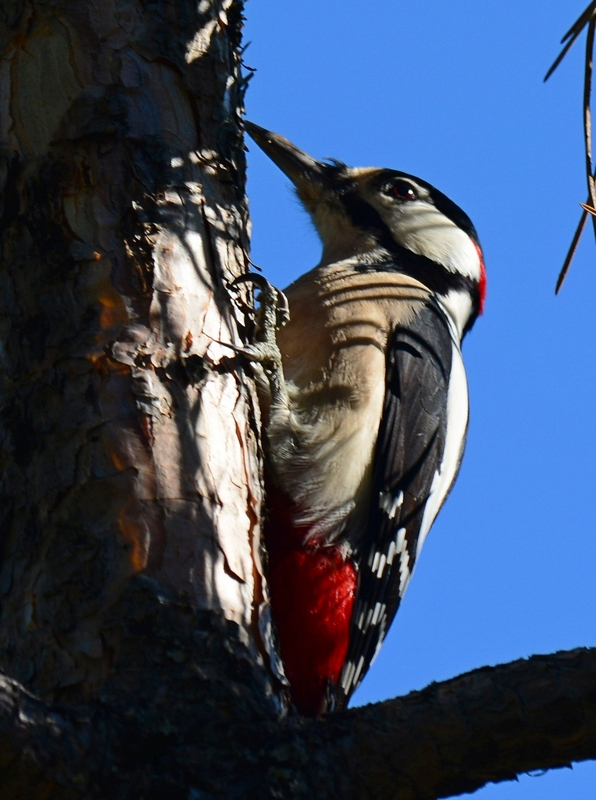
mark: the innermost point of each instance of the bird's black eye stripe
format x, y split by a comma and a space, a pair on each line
400, 190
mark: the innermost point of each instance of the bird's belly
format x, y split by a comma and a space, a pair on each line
319, 479
318, 492
324, 450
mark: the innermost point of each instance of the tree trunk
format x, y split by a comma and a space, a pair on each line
129, 443
135, 642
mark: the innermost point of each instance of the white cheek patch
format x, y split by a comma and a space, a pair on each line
423, 229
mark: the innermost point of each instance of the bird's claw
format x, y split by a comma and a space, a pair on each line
273, 314
260, 352
275, 309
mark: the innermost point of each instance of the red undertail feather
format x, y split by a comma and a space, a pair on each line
312, 598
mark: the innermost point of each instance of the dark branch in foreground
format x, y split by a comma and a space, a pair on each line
487, 725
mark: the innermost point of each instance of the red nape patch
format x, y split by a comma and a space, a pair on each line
482, 281
312, 597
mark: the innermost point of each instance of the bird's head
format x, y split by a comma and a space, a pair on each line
382, 216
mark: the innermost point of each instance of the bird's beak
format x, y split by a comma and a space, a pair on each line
306, 173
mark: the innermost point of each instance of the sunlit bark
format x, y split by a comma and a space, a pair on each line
127, 446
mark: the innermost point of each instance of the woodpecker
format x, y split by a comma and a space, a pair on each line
368, 415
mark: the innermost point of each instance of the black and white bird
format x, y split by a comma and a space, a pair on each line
366, 427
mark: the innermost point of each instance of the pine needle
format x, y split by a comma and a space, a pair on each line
587, 18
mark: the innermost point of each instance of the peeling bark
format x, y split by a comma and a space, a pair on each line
128, 445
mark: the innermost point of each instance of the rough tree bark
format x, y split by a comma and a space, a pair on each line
135, 640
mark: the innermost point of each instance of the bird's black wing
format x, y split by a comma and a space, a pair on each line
409, 470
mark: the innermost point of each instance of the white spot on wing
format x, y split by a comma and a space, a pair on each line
379, 610
390, 504
347, 675
358, 670
391, 553
401, 540
404, 572
364, 619
376, 560
382, 562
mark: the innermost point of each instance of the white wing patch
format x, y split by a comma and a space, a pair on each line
458, 305
457, 423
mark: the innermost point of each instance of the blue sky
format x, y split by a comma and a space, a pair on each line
452, 92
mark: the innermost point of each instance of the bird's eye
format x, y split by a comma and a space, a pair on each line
401, 190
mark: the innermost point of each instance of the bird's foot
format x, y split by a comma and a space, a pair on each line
274, 312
